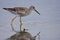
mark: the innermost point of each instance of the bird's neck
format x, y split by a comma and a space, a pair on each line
30, 9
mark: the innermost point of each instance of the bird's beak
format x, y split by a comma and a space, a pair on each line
37, 11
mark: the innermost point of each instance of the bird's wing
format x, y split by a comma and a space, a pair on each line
20, 8
16, 8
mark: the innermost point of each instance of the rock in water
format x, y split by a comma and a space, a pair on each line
21, 36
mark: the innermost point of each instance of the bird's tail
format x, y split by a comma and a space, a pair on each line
9, 9
5, 8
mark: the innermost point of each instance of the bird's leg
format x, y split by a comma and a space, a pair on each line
20, 24
17, 10
12, 23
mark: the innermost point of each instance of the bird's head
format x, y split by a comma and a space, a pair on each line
33, 8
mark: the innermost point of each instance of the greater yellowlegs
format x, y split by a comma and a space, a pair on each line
21, 11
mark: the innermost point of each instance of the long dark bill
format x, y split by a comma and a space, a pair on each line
37, 12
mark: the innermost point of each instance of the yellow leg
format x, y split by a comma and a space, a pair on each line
20, 24
12, 23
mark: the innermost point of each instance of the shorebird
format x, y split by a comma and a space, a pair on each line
21, 11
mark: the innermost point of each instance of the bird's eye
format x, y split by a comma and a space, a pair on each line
33, 7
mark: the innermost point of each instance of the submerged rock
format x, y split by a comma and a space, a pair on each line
21, 36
